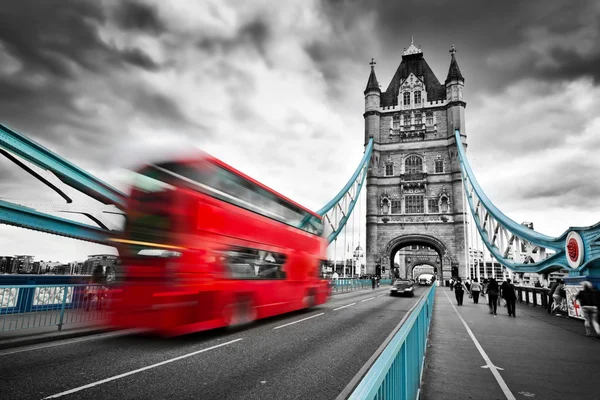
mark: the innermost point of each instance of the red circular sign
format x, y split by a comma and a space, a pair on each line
573, 249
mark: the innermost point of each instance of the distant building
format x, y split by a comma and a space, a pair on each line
105, 260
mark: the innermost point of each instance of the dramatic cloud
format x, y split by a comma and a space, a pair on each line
276, 91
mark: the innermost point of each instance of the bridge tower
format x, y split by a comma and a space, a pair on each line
414, 193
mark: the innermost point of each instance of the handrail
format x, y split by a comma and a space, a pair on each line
396, 374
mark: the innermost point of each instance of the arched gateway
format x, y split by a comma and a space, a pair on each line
414, 193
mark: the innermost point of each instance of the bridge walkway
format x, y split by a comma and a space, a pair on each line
533, 356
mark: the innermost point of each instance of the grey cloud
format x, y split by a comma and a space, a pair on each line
570, 184
481, 31
139, 58
254, 33
134, 15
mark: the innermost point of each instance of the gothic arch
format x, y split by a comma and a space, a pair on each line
411, 267
401, 241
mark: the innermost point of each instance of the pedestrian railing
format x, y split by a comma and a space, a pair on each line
35, 306
396, 374
349, 284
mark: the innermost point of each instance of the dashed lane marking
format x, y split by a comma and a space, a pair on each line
347, 305
54, 396
300, 320
370, 298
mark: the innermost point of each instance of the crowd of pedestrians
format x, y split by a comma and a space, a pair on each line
588, 297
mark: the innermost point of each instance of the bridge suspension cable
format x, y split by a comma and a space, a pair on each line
504, 237
346, 199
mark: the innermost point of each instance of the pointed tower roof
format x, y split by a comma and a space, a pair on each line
454, 72
372, 83
413, 62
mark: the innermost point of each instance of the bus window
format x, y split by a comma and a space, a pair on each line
247, 263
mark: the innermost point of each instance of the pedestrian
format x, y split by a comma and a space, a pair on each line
468, 285
588, 298
509, 295
475, 290
559, 297
373, 281
459, 291
451, 284
493, 291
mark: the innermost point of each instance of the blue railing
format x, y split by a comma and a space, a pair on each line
396, 374
36, 306
349, 284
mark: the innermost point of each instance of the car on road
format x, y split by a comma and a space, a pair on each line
403, 287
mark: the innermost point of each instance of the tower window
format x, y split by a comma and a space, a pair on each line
414, 204
396, 206
389, 169
429, 118
418, 97
418, 119
439, 166
433, 206
406, 98
406, 120
396, 122
413, 165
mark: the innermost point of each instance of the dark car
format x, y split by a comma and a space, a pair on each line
403, 287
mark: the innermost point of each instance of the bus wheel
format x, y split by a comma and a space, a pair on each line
310, 300
241, 312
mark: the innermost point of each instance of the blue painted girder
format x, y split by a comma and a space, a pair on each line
67, 172
590, 235
362, 166
13, 214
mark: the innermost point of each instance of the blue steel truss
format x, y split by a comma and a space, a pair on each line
59, 175
336, 213
503, 237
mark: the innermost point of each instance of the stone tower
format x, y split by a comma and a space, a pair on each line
414, 193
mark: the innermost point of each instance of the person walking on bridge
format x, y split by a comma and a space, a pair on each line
459, 291
588, 298
509, 294
475, 290
493, 291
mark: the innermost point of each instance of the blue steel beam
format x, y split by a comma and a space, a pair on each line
13, 214
67, 172
476, 197
356, 181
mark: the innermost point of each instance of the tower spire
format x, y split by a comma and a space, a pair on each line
454, 71
372, 84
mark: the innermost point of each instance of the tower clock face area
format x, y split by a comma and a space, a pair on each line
414, 186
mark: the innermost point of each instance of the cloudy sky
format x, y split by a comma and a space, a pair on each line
275, 89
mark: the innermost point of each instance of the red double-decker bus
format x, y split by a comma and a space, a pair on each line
206, 246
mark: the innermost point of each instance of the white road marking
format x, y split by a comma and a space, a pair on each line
54, 396
487, 360
63, 342
384, 294
300, 320
370, 298
347, 305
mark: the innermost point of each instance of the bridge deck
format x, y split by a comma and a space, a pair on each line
541, 356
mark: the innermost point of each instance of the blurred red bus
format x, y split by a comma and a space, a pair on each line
206, 246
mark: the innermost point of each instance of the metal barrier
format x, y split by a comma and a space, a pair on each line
35, 306
349, 284
396, 374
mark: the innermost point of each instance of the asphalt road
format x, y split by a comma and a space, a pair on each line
311, 354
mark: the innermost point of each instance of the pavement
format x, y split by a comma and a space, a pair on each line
310, 354
533, 356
